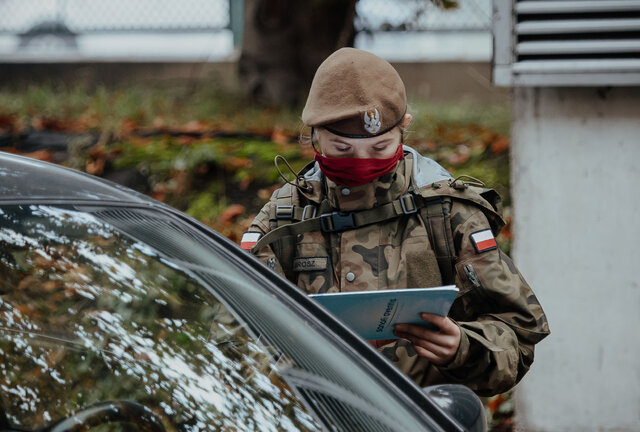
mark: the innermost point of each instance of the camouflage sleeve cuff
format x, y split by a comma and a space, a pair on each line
461, 355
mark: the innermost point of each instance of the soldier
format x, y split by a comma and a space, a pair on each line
372, 214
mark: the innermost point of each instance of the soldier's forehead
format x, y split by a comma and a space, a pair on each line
386, 138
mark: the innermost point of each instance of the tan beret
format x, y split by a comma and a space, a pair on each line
355, 94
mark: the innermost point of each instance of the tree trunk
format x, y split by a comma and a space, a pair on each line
284, 42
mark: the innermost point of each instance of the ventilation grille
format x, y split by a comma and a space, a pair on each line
563, 42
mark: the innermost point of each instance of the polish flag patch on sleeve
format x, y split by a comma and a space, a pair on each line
483, 241
249, 239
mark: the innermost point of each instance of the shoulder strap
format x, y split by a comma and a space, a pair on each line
436, 216
282, 214
337, 221
487, 200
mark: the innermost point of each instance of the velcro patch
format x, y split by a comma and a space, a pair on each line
249, 239
301, 264
483, 241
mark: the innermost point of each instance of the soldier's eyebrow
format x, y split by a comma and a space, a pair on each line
337, 140
385, 141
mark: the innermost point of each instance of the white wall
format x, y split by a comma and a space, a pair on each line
576, 188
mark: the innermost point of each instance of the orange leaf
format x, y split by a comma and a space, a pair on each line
50, 285
158, 122
159, 192
500, 145
142, 357
246, 182
427, 145
127, 126
279, 136
97, 151
43, 155
460, 156
231, 212
495, 403
194, 126
265, 193
181, 183
506, 232
237, 162
23, 309
95, 167
59, 125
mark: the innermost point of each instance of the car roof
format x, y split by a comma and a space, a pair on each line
23, 178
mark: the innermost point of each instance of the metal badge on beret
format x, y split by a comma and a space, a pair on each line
372, 121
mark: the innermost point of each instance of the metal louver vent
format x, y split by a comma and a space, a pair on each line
566, 43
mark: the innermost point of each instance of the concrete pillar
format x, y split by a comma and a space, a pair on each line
576, 187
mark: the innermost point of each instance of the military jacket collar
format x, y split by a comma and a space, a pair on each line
425, 171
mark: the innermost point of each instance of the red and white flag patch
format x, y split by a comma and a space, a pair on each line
483, 241
249, 239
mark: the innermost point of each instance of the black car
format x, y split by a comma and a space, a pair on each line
120, 313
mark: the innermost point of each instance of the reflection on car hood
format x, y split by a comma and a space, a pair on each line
24, 178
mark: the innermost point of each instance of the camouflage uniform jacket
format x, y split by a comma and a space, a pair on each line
499, 316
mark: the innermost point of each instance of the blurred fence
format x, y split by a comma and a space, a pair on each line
93, 16
90, 16
422, 16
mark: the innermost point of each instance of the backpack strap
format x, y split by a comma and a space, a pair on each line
436, 216
285, 211
338, 221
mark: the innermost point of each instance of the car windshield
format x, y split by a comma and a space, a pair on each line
130, 306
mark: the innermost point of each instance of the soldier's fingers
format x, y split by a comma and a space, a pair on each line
422, 332
433, 352
443, 323
432, 346
431, 356
444, 348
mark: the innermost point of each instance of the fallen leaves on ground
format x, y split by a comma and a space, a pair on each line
43, 155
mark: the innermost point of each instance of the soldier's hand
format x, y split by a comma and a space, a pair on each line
438, 346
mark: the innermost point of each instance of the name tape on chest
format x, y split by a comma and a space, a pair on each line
310, 264
249, 239
483, 241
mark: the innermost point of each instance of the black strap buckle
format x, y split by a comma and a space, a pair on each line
408, 204
284, 212
337, 221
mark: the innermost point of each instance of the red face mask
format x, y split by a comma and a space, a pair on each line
357, 171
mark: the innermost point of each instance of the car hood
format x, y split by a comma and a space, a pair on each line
23, 178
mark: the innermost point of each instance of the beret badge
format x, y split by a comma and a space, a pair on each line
372, 121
